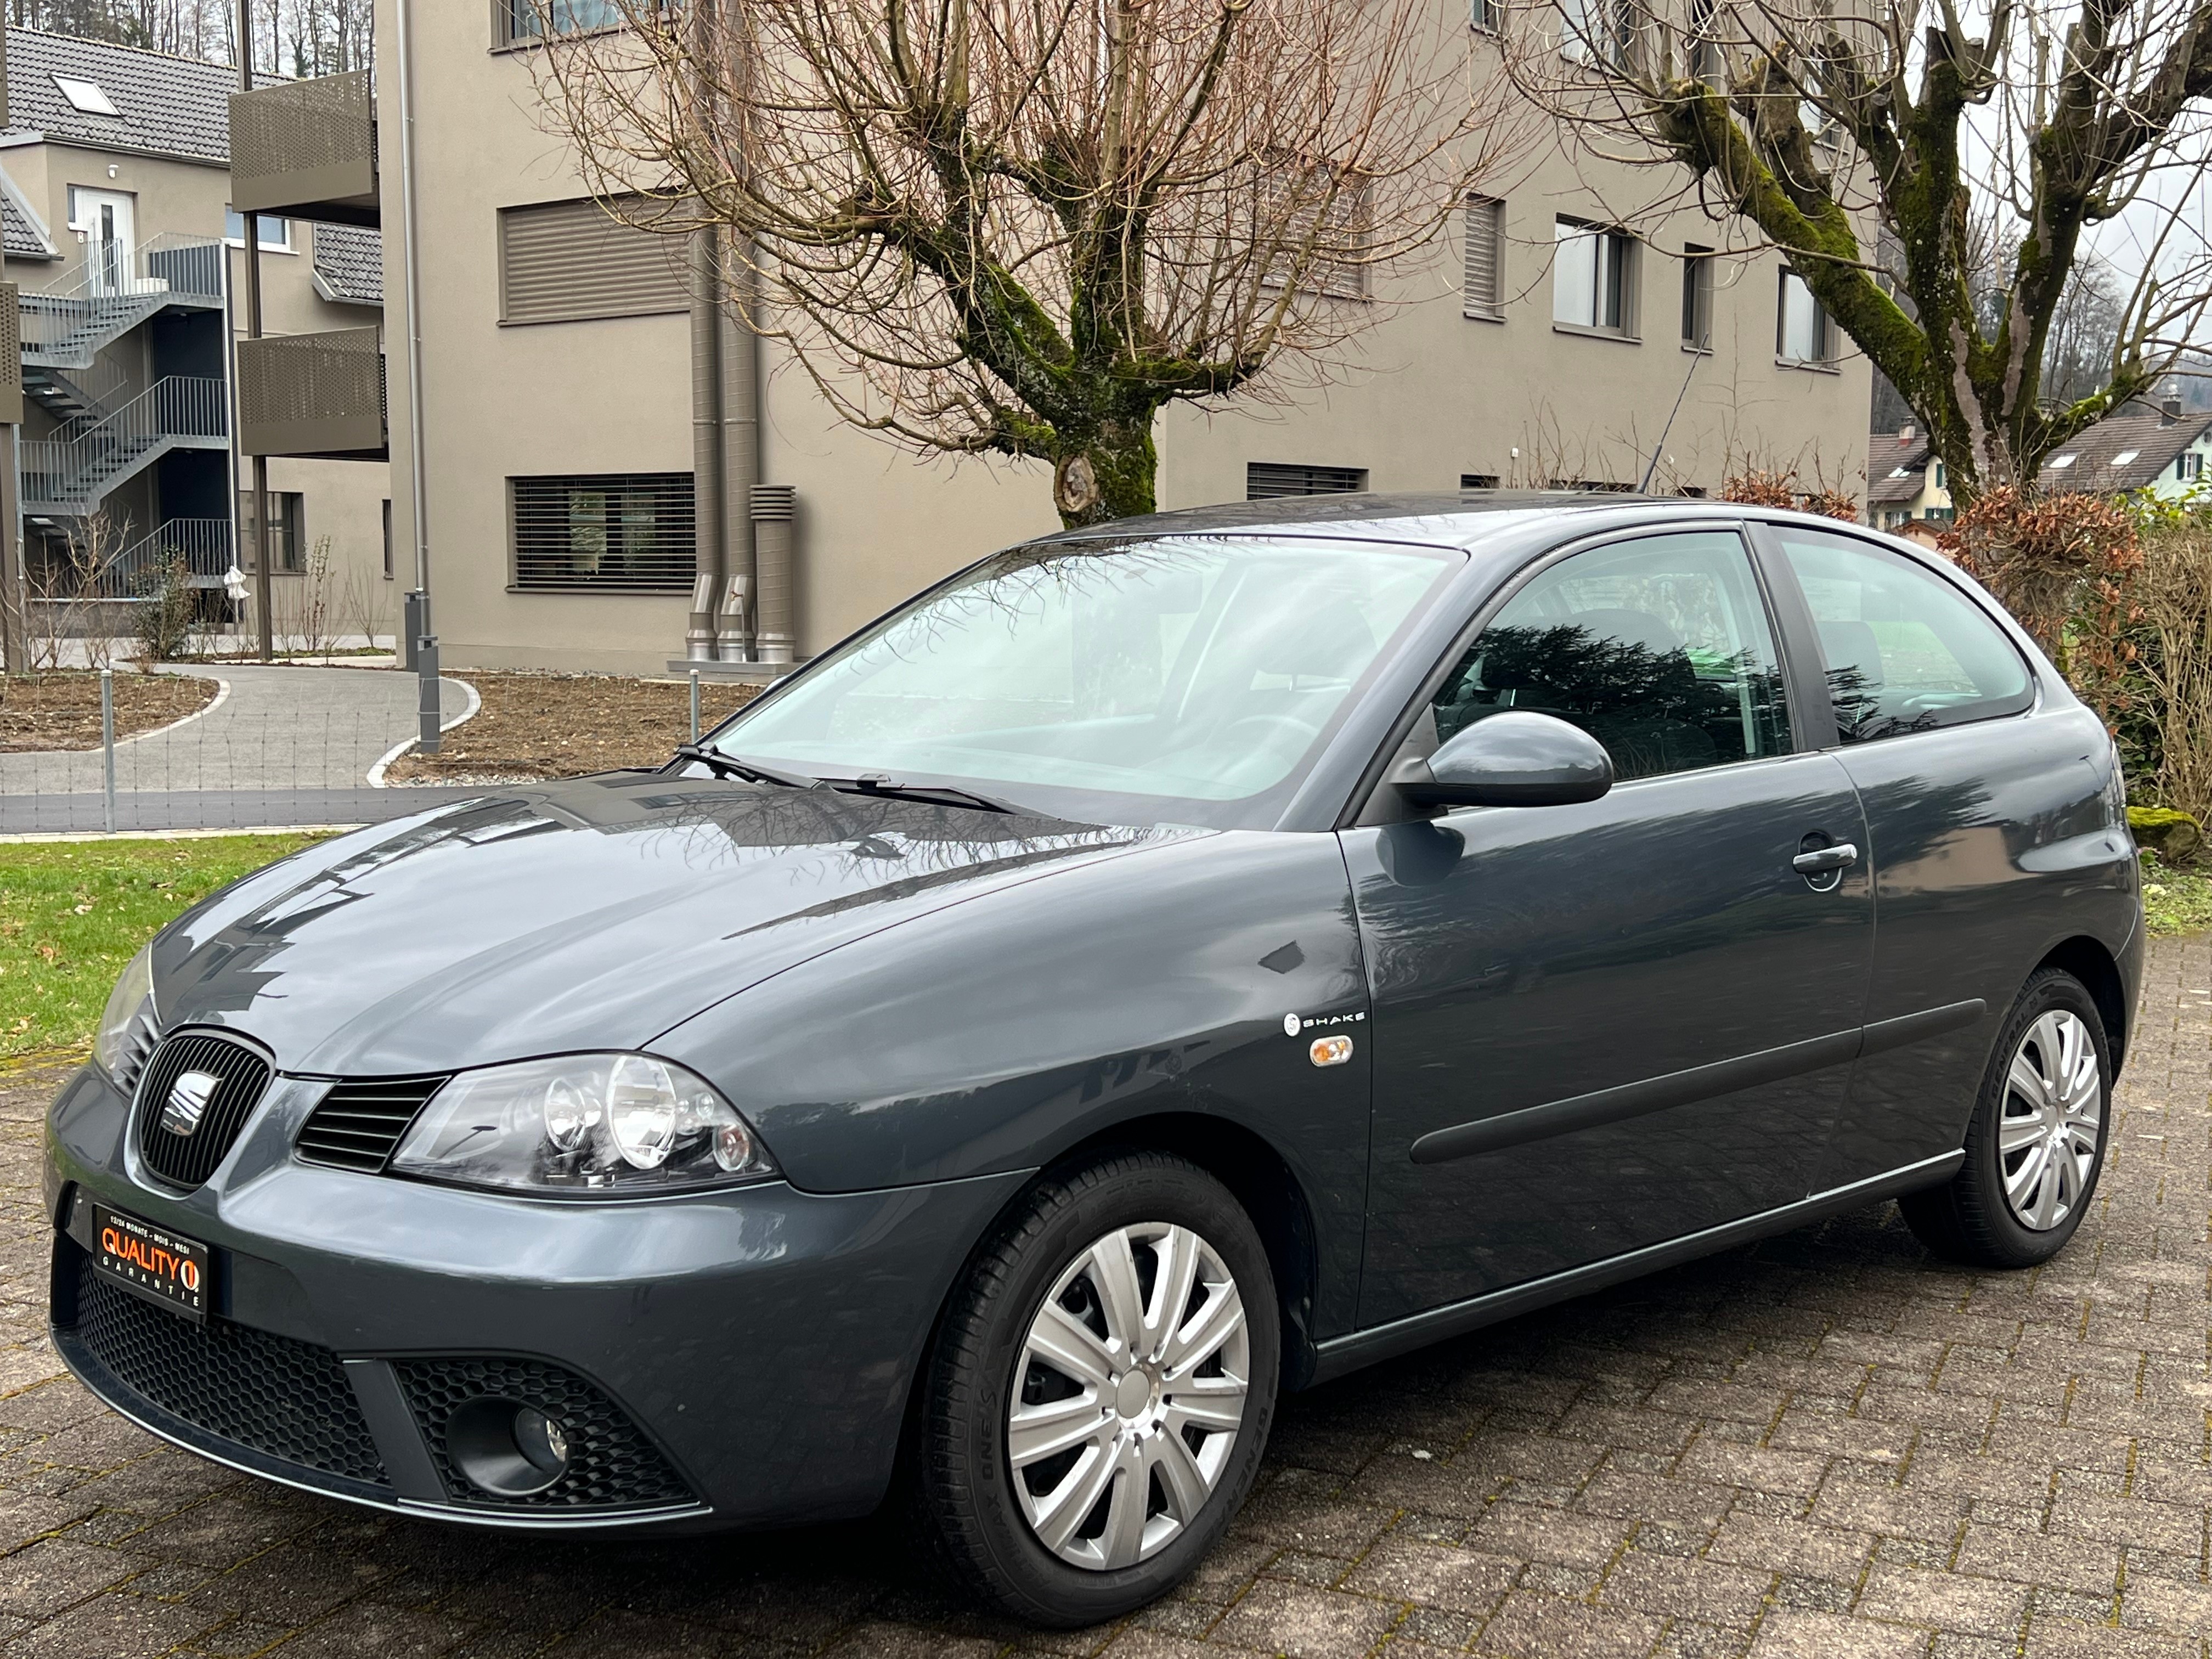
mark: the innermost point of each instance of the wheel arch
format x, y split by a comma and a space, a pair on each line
2088, 961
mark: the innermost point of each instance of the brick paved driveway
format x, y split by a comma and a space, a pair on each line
1824, 1444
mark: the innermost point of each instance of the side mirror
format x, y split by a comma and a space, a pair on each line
1516, 758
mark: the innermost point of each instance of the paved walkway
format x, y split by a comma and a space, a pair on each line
277, 732
1824, 1444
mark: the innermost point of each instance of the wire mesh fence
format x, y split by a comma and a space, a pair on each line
228, 768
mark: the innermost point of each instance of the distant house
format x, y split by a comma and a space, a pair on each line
1906, 482
2153, 446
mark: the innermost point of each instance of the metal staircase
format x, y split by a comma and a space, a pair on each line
71, 472
109, 292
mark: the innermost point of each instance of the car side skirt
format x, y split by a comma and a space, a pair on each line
1340, 1355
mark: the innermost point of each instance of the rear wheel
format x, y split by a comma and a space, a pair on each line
2036, 1145
1099, 1397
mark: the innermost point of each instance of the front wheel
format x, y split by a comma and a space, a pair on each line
2036, 1145
1100, 1394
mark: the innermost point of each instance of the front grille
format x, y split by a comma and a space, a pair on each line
188, 1159
611, 1465
360, 1122
284, 1399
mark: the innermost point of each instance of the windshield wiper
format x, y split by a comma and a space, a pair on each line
736, 766
943, 795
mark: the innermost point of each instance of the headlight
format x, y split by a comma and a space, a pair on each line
611, 1125
127, 1025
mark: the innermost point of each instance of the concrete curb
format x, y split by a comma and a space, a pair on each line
376, 772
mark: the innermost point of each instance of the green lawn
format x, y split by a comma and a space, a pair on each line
2175, 900
72, 913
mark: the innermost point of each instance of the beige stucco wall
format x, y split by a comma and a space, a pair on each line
1427, 396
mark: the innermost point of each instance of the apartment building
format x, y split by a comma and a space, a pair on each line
1545, 346
123, 235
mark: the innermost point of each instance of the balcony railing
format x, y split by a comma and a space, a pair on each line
72, 470
307, 148
313, 394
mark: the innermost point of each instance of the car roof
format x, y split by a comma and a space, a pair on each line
1448, 519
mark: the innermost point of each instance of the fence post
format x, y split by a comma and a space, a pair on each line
107, 739
426, 664
695, 705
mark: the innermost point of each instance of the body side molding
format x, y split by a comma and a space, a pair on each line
1696, 1082
1343, 1354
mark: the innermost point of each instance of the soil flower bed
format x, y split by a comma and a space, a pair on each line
60, 710
566, 726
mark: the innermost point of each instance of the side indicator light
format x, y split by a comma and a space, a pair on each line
1330, 1050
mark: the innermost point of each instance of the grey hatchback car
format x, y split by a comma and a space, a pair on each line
1156, 968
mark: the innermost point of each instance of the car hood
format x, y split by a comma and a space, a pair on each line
594, 913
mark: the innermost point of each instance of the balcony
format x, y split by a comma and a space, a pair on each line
306, 149
317, 395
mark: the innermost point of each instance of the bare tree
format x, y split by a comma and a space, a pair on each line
1023, 228
1987, 139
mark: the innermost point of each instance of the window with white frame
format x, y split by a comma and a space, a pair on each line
1697, 297
1482, 289
1593, 278
1802, 334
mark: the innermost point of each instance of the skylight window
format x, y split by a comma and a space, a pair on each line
86, 97
2059, 462
1900, 473
2125, 456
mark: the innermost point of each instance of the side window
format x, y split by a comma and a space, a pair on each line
1658, 647
1905, 650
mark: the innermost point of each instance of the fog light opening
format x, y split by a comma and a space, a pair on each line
505, 1448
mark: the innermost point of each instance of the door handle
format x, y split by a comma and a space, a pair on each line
1822, 859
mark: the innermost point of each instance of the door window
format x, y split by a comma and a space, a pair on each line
1658, 647
1904, 650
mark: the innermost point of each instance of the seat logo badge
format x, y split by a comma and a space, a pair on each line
1330, 1051
188, 1102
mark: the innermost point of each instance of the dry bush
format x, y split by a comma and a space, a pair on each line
2169, 669
1763, 487
2062, 565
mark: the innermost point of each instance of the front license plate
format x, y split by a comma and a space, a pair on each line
152, 1261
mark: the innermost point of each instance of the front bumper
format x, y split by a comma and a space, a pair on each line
739, 1358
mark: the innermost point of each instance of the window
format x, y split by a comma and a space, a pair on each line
1943, 476
1801, 334
287, 530
1485, 15
1597, 32
1478, 480
1658, 647
86, 97
618, 532
565, 262
270, 231
387, 540
1482, 292
1905, 651
2125, 456
1317, 218
1593, 279
1264, 480
2188, 464
1698, 298
1705, 59
522, 20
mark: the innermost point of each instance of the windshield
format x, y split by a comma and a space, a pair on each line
1188, 680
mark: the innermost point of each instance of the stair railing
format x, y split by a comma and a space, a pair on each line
77, 469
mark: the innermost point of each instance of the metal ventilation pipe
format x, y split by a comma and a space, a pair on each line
708, 493
739, 357
775, 508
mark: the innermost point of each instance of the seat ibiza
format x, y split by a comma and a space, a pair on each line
1157, 968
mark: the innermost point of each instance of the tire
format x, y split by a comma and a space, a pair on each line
989, 1521
1996, 1211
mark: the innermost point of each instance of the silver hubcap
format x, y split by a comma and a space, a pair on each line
2054, 1105
1128, 1396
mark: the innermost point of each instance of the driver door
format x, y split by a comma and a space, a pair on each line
1548, 983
